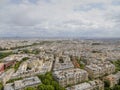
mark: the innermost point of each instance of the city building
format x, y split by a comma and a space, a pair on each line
70, 76
113, 79
7, 75
62, 63
21, 84
91, 85
1, 68
99, 70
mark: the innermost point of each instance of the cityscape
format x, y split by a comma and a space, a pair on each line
59, 44
63, 64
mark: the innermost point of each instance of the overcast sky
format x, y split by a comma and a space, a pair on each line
60, 18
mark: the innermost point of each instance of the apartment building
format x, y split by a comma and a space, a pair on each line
91, 85
70, 76
62, 63
21, 84
113, 79
99, 70
7, 75
1, 68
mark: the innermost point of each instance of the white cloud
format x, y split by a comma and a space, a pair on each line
56, 17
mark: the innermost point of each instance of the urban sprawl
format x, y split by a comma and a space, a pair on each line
50, 64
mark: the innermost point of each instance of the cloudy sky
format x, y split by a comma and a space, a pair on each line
59, 18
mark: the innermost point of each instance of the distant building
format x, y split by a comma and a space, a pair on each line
9, 63
113, 79
1, 68
35, 64
62, 63
22, 68
99, 70
7, 75
92, 85
21, 84
70, 76
82, 86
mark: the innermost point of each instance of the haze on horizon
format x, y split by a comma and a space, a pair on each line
59, 18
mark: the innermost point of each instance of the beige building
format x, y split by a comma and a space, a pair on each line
92, 85
23, 67
70, 76
99, 70
62, 63
113, 79
7, 75
21, 84
35, 64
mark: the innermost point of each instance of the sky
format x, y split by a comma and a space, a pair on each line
59, 18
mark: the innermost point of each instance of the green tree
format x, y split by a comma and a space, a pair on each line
117, 87
49, 77
49, 87
1, 86
42, 77
41, 87
56, 85
117, 65
106, 88
26, 51
107, 83
25, 58
119, 82
46, 81
4, 54
30, 88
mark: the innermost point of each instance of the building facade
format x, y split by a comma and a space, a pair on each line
70, 76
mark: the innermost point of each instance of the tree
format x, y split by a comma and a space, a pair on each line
26, 51
119, 82
25, 58
49, 87
1, 86
106, 88
107, 83
117, 87
42, 77
117, 65
30, 88
4, 54
56, 85
49, 77
46, 81
41, 87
